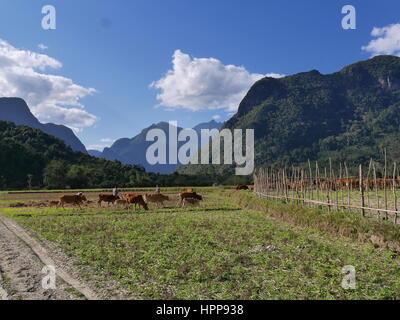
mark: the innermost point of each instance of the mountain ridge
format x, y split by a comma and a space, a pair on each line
350, 115
133, 150
17, 111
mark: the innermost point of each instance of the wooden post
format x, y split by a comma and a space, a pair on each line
384, 187
285, 185
337, 190
311, 181
376, 189
368, 184
317, 179
302, 185
394, 191
348, 184
362, 191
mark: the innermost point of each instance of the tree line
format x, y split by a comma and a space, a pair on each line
31, 159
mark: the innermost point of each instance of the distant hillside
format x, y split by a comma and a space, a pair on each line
95, 153
30, 154
133, 151
16, 110
207, 125
350, 115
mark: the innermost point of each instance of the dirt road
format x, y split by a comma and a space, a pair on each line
22, 258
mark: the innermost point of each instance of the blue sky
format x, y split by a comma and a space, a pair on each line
119, 48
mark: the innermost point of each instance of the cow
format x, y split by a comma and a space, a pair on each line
242, 187
76, 199
107, 198
137, 200
157, 198
188, 195
251, 188
191, 201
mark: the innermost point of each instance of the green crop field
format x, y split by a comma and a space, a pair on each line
219, 250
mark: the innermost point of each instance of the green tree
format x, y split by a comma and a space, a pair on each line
54, 176
77, 177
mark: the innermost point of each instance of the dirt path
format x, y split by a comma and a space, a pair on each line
21, 262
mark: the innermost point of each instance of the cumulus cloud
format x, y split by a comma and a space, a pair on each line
51, 98
216, 117
204, 83
387, 41
107, 140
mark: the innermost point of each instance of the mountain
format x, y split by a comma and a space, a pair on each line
30, 154
16, 110
133, 151
350, 115
208, 125
95, 153
30, 158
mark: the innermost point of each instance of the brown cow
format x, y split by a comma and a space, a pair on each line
242, 187
157, 198
188, 195
136, 199
76, 199
107, 198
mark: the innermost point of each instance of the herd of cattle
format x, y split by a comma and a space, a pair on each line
190, 197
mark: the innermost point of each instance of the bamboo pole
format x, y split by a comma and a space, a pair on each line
369, 172
302, 185
362, 191
348, 184
311, 180
394, 191
285, 186
384, 186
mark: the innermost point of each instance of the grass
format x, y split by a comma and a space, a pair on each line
337, 222
217, 251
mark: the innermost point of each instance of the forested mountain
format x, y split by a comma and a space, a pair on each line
16, 110
133, 151
350, 115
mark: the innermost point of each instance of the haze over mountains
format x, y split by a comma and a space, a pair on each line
133, 151
16, 110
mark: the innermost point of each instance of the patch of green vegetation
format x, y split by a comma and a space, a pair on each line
339, 222
216, 251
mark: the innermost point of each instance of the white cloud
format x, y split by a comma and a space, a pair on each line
204, 83
51, 98
107, 140
387, 41
216, 117
41, 46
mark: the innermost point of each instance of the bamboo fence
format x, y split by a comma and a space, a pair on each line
334, 189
